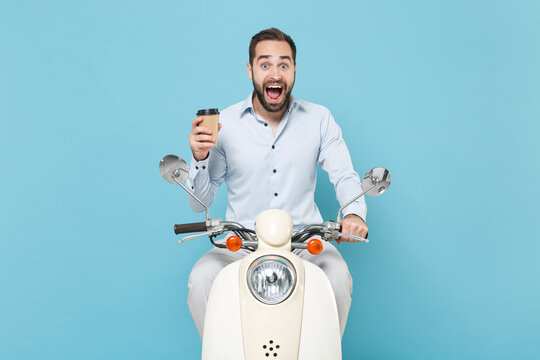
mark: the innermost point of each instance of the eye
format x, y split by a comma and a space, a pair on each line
284, 66
264, 66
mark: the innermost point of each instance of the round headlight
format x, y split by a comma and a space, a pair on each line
271, 279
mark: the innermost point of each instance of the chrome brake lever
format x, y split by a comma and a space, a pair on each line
213, 232
357, 238
332, 232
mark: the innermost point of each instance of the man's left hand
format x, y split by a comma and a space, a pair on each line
353, 225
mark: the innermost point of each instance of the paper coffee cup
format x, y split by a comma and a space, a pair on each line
210, 120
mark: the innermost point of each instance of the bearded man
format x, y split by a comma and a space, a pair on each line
269, 147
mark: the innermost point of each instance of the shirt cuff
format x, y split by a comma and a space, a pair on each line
197, 166
355, 209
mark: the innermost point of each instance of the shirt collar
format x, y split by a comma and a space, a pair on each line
248, 104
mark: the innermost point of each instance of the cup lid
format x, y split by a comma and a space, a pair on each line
207, 112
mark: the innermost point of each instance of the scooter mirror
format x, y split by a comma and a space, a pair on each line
377, 180
175, 170
173, 167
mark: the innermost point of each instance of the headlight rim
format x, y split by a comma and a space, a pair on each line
265, 258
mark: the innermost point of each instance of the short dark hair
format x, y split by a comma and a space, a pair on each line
270, 34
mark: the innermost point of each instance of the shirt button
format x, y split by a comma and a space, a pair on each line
273, 147
275, 171
265, 124
204, 167
275, 194
196, 167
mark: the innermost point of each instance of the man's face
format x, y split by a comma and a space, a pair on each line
273, 73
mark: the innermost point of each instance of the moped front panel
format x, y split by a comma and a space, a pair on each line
271, 331
238, 327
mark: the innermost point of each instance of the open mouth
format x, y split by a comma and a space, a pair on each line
274, 93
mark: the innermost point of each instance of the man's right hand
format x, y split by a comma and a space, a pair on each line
201, 139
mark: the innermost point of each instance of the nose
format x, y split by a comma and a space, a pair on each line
275, 73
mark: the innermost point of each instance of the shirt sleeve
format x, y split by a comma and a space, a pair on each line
335, 159
205, 176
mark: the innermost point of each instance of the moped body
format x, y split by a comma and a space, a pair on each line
271, 304
304, 326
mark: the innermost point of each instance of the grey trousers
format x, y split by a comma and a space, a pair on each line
210, 264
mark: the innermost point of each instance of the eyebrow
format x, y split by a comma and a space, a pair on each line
283, 57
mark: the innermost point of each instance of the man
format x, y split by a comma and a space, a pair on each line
268, 151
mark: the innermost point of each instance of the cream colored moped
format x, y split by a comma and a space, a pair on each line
271, 304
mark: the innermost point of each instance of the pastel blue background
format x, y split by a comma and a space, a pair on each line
444, 94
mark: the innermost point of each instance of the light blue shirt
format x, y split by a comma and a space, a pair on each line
263, 171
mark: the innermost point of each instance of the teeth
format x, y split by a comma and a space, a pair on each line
274, 87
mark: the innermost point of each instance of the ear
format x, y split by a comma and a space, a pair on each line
250, 71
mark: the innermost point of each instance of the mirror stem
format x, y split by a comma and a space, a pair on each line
351, 201
193, 195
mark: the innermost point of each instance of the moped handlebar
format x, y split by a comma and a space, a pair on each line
189, 228
329, 231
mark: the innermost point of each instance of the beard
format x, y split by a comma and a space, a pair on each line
277, 107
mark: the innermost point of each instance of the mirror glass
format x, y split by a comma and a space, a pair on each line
380, 177
173, 166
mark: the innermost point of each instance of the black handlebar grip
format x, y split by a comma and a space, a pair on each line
189, 228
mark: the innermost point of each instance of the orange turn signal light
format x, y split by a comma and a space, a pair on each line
234, 243
314, 246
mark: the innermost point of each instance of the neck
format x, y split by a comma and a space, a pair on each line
270, 116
